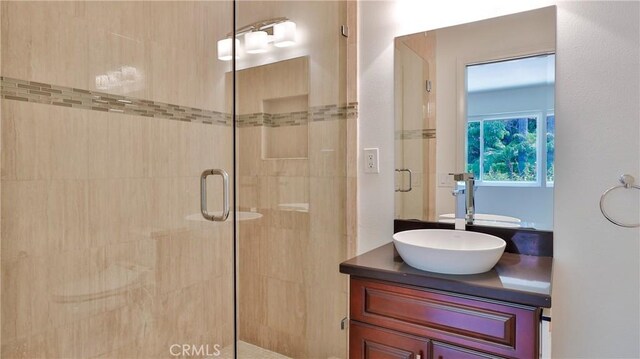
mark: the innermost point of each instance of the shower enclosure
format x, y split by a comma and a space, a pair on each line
415, 127
112, 113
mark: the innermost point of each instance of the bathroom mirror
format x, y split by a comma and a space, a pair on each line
477, 98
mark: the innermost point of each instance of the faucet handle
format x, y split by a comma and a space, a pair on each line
462, 176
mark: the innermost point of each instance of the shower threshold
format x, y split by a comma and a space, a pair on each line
250, 351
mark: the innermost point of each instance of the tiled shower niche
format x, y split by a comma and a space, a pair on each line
285, 133
276, 97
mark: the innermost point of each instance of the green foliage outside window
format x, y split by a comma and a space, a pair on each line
473, 148
551, 147
508, 151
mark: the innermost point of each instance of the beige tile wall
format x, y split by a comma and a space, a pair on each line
172, 44
289, 258
71, 235
99, 255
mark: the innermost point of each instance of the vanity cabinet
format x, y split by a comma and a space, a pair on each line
390, 320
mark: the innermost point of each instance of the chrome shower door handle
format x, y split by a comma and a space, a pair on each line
225, 195
400, 189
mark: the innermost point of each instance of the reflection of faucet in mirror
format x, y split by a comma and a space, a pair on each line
469, 182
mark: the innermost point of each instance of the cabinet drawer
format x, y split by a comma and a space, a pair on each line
482, 325
368, 342
444, 351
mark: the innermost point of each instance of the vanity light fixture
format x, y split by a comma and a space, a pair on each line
256, 42
225, 49
124, 79
281, 32
284, 34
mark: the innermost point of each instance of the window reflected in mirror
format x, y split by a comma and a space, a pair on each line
510, 104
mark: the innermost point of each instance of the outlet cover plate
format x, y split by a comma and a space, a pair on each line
371, 161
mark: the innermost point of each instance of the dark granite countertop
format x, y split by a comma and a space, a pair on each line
517, 278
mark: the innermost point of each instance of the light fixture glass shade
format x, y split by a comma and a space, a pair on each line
225, 49
284, 34
256, 42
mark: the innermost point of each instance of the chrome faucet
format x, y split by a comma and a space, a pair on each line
469, 182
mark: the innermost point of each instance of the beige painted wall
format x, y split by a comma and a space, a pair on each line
597, 265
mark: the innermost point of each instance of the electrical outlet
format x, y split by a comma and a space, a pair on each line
371, 163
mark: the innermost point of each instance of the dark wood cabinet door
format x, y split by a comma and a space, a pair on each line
445, 351
369, 342
507, 330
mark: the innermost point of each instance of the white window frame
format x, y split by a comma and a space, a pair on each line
549, 112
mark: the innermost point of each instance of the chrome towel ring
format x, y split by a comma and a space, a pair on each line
626, 183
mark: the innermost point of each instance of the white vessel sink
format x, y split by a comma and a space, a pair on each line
449, 251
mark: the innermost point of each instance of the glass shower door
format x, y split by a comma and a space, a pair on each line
415, 133
291, 143
111, 111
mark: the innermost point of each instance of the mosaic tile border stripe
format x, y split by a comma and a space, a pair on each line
273, 120
427, 133
31, 91
316, 113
